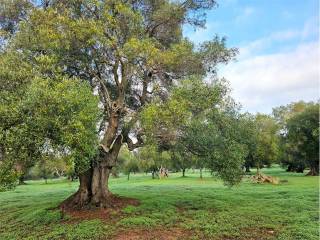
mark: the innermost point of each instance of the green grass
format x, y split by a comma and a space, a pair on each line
206, 209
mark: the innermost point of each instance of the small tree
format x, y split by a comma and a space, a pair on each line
129, 162
181, 159
204, 123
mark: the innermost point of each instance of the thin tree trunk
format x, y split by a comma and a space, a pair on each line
183, 172
247, 168
258, 169
128, 176
200, 173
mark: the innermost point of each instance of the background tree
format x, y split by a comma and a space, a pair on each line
151, 159
288, 156
127, 162
181, 159
303, 138
249, 137
131, 165
267, 150
215, 142
202, 119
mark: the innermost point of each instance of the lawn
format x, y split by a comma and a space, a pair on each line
173, 208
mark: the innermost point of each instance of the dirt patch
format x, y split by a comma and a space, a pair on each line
153, 234
254, 234
113, 213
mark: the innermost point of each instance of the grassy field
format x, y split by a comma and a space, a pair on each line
173, 208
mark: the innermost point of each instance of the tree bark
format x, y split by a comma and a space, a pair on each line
183, 172
93, 191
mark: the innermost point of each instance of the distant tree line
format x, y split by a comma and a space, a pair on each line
289, 137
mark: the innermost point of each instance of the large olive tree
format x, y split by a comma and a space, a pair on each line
129, 51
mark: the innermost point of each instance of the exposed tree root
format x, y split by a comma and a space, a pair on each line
84, 200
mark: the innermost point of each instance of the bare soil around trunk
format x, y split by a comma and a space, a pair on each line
109, 214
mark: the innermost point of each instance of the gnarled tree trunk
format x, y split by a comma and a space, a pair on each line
93, 190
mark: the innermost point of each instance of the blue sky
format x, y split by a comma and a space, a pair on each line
279, 49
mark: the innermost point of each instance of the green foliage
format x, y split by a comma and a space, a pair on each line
129, 162
202, 126
215, 51
217, 143
12, 12
8, 177
181, 159
303, 137
292, 154
151, 158
268, 141
137, 222
55, 116
260, 134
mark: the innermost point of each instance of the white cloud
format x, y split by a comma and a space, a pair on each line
266, 81
309, 30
